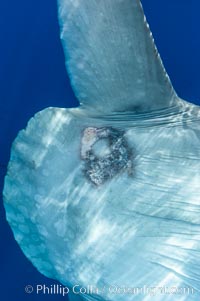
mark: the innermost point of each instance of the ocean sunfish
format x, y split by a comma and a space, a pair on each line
107, 195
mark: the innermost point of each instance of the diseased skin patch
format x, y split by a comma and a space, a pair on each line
106, 153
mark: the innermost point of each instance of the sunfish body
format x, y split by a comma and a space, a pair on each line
107, 195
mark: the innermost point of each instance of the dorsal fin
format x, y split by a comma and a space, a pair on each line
111, 58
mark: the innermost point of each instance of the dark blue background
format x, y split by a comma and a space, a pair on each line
33, 76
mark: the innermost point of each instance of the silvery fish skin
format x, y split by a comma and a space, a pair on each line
107, 194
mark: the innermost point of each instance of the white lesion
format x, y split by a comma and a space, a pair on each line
106, 153
88, 140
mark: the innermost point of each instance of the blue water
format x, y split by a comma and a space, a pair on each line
33, 76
